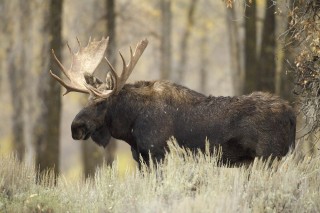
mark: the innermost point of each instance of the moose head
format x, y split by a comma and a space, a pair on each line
90, 121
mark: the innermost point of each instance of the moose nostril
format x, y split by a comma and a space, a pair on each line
78, 131
76, 134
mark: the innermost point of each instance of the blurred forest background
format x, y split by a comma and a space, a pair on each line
220, 47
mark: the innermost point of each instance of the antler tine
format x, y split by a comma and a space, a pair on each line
68, 87
113, 73
125, 71
111, 67
60, 81
70, 51
131, 54
60, 65
124, 64
79, 42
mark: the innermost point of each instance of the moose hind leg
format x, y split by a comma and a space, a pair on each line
234, 153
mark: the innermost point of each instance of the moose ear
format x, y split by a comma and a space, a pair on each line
101, 136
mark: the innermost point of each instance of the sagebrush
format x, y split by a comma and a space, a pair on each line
183, 182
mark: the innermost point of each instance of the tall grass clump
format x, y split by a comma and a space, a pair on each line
18, 189
184, 182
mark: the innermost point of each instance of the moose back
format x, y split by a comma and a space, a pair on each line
146, 114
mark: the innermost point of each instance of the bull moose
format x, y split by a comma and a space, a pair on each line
146, 114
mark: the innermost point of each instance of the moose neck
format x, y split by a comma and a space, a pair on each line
121, 114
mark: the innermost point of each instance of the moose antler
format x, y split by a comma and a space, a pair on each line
116, 81
84, 63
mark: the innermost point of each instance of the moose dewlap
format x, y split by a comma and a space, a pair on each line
147, 113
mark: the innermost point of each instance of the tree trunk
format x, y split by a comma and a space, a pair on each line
184, 42
235, 59
4, 36
47, 129
17, 65
267, 63
92, 154
112, 56
250, 48
287, 75
165, 46
203, 61
17, 86
111, 31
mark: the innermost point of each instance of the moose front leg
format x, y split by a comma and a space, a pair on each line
136, 156
139, 157
144, 157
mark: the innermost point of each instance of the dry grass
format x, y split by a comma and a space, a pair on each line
183, 183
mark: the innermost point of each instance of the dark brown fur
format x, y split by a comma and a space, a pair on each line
146, 114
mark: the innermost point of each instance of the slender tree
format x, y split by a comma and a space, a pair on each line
111, 30
47, 130
250, 47
287, 74
165, 45
203, 52
4, 36
112, 56
185, 41
17, 65
234, 46
92, 156
267, 63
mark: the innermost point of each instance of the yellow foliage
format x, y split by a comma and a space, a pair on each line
125, 163
75, 172
6, 146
